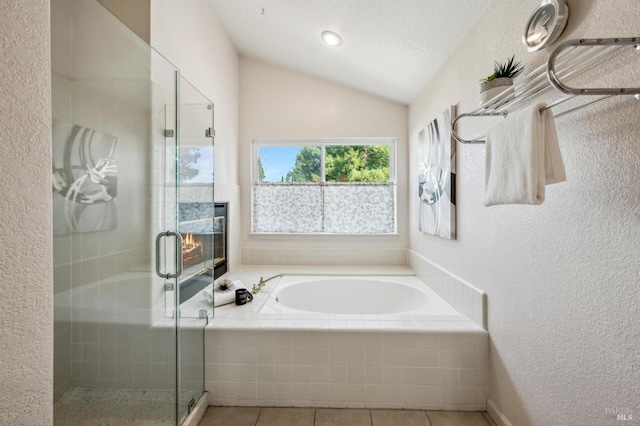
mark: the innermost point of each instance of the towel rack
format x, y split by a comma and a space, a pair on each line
567, 60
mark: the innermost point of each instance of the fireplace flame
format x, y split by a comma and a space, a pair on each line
191, 250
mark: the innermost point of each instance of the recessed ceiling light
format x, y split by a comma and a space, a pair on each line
331, 38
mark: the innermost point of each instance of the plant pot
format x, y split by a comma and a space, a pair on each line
499, 86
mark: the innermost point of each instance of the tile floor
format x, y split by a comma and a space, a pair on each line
257, 416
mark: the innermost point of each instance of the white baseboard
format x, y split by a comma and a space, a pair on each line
496, 415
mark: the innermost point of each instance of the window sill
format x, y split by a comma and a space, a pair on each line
282, 235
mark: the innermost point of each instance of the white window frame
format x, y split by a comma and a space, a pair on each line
322, 143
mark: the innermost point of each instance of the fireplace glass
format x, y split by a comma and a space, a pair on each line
204, 248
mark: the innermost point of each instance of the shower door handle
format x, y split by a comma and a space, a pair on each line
179, 258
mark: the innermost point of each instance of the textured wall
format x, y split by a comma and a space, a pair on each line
190, 36
280, 103
562, 279
26, 317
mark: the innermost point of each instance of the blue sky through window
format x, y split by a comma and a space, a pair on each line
277, 161
204, 165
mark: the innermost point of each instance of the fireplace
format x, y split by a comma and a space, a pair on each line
204, 247
205, 250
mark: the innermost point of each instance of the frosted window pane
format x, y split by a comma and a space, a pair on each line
354, 208
359, 209
287, 208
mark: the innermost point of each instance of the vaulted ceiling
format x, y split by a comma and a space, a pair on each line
390, 47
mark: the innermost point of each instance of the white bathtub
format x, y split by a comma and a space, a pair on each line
355, 295
346, 342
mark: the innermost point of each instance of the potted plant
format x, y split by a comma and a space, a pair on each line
502, 77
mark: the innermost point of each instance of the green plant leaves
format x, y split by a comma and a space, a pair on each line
509, 69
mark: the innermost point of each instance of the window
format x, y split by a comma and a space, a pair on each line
196, 164
328, 186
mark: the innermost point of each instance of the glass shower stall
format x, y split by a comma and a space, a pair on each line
133, 220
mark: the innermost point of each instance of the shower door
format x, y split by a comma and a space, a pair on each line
188, 248
128, 344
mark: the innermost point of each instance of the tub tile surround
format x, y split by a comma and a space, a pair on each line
340, 369
362, 256
342, 361
463, 296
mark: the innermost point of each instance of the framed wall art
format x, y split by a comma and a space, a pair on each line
437, 177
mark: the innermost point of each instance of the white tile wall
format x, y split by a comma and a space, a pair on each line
463, 296
324, 256
325, 368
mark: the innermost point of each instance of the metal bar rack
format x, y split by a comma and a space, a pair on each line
568, 60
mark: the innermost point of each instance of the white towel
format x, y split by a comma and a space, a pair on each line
222, 297
522, 156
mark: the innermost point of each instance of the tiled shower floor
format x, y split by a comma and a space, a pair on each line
88, 407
